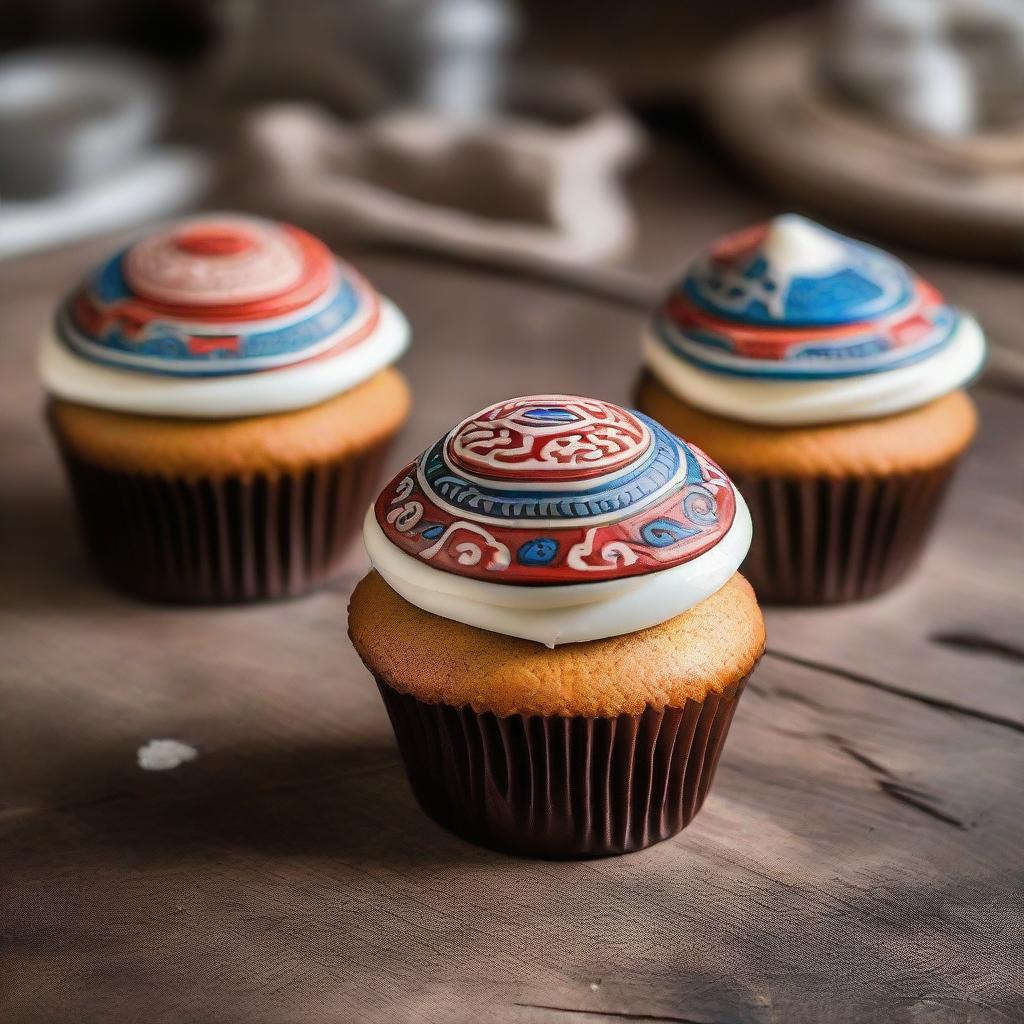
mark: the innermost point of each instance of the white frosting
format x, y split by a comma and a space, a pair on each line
802, 402
69, 376
567, 613
797, 247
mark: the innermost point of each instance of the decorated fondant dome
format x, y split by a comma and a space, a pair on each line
791, 299
556, 489
219, 294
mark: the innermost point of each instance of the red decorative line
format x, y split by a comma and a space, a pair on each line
221, 343
728, 249
94, 321
502, 442
204, 240
771, 343
317, 266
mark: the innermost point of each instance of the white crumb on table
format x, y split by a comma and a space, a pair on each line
161, 755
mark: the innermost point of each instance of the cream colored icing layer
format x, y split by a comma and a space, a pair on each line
802, 403
69, 376
561, 614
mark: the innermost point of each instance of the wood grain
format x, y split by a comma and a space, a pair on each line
859, 858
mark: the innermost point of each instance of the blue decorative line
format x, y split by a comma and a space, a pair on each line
551, 415
785, 370
855, 291
164, 341
695, 494
108, 283
694, 474
663, 533
659, 467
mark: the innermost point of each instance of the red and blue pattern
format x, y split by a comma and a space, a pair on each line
219, 295
557, 489
744, 310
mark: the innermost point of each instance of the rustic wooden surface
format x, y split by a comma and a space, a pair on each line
859, 858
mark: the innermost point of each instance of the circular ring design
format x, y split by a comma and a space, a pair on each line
792, 300
563, 490
219, 294
575, 439
224, 263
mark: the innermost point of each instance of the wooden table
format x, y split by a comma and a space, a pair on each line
859, 858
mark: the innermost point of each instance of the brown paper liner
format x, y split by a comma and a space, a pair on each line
221, 541
559, 787
824, 541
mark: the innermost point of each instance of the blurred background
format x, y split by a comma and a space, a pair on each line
594, 144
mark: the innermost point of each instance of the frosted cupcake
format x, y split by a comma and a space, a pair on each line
556, 625
222, 397
826, 377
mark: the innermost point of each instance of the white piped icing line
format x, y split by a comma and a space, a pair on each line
785, 403
789, 323
67, 375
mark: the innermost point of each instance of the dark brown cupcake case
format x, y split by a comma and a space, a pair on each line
823, 540
561, 787
221, 541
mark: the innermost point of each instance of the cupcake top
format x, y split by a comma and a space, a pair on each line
788, 322
558, 518
222, 315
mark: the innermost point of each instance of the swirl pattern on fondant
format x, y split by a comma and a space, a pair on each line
792, 300
557, 489
219, 295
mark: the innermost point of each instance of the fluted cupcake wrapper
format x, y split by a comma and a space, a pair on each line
824, 541
561, 787
221, 540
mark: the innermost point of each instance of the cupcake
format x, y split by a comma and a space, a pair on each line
826, 378
221, 394
556, 625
